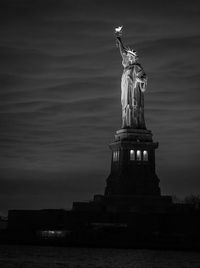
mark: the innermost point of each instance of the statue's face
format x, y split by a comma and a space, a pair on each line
131, 58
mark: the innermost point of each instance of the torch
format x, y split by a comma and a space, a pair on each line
118, 34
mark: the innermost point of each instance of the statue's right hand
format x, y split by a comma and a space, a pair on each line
117, 34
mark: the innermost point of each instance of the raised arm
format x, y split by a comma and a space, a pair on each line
118, 34
121, 46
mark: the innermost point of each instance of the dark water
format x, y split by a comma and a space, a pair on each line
54, 257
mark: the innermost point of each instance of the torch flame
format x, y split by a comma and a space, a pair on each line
118, 29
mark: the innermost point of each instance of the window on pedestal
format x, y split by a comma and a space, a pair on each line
139, 156
116, 156
145, 155
132, 155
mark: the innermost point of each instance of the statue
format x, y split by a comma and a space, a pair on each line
133, 85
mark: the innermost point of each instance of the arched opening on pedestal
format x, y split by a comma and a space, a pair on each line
145, 155
139, 155
132, 155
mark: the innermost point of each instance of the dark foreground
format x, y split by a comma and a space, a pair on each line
107, 238
176, 229
15, 256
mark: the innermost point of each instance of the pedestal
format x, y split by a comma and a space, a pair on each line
133, 185
133, 164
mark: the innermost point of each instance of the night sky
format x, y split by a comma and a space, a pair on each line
60, 75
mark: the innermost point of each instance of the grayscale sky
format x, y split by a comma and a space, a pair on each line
60, 76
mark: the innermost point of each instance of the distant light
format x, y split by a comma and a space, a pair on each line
48, 234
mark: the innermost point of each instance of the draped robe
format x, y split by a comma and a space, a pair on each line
133, 84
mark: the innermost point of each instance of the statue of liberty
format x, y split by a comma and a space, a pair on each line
133, 85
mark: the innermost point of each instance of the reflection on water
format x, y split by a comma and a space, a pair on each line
54, 257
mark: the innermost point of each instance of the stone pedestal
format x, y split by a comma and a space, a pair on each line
132, 186
133, 164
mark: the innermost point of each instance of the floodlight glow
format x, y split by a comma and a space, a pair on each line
145, 155
138, 155
132, 155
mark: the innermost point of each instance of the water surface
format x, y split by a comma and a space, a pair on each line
54, 257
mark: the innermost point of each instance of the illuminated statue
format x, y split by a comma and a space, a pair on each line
133, 85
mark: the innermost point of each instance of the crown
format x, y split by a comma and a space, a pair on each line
132, 52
